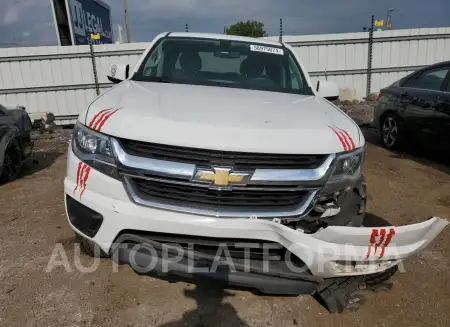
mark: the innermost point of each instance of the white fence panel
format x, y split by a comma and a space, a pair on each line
396, 53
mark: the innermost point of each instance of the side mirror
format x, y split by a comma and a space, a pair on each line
328, 90
118, 73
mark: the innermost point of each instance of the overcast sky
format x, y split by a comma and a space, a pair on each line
30, 22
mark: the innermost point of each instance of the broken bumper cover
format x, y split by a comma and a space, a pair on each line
331, 252
147, 256
366, 250
157, 258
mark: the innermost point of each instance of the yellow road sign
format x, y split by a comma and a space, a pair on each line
95, 36
379, 23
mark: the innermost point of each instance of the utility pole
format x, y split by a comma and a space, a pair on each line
127, 23
281, 30
369, 56
389, 19
92, 39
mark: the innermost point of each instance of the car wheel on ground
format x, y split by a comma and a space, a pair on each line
390, 131
90, 248
12, 162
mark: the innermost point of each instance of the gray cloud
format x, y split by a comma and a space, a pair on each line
26, 22
299, 16
149, 17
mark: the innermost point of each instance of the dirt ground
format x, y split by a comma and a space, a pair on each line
402, 189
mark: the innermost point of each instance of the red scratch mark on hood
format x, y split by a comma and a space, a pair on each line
348, 137
106, 118
340, 137
101, 117
94, 119
344, 137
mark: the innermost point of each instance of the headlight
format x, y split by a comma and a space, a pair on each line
94, 149
348, 166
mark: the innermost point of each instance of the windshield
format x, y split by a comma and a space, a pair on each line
223, 63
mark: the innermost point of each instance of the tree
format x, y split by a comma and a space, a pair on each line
249, 28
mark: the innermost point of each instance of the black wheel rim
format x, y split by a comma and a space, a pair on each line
390, 131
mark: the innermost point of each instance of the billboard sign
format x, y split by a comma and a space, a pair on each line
76, 20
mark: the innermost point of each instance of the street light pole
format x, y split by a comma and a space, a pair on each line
127, 23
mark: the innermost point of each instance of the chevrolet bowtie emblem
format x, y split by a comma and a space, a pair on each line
221, 176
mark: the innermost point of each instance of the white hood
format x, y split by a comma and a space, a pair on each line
225, 119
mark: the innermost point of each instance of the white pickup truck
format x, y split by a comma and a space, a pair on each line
216, 156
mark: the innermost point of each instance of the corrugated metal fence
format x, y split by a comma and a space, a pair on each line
343, 57
60, 79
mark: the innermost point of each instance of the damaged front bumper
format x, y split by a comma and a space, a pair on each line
332, 252
367, 250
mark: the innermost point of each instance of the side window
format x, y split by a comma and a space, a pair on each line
294, 80
447, 83
297, 82
431, 79
409, 81
154, 62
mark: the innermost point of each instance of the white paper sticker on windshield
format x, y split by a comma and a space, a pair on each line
261, 48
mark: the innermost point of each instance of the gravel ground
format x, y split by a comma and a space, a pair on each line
402, 189
361, 112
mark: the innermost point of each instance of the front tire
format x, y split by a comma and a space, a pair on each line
391, 132
12, 162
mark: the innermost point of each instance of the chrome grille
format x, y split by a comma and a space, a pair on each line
158, 181
204, 197
206, 157
245, 202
